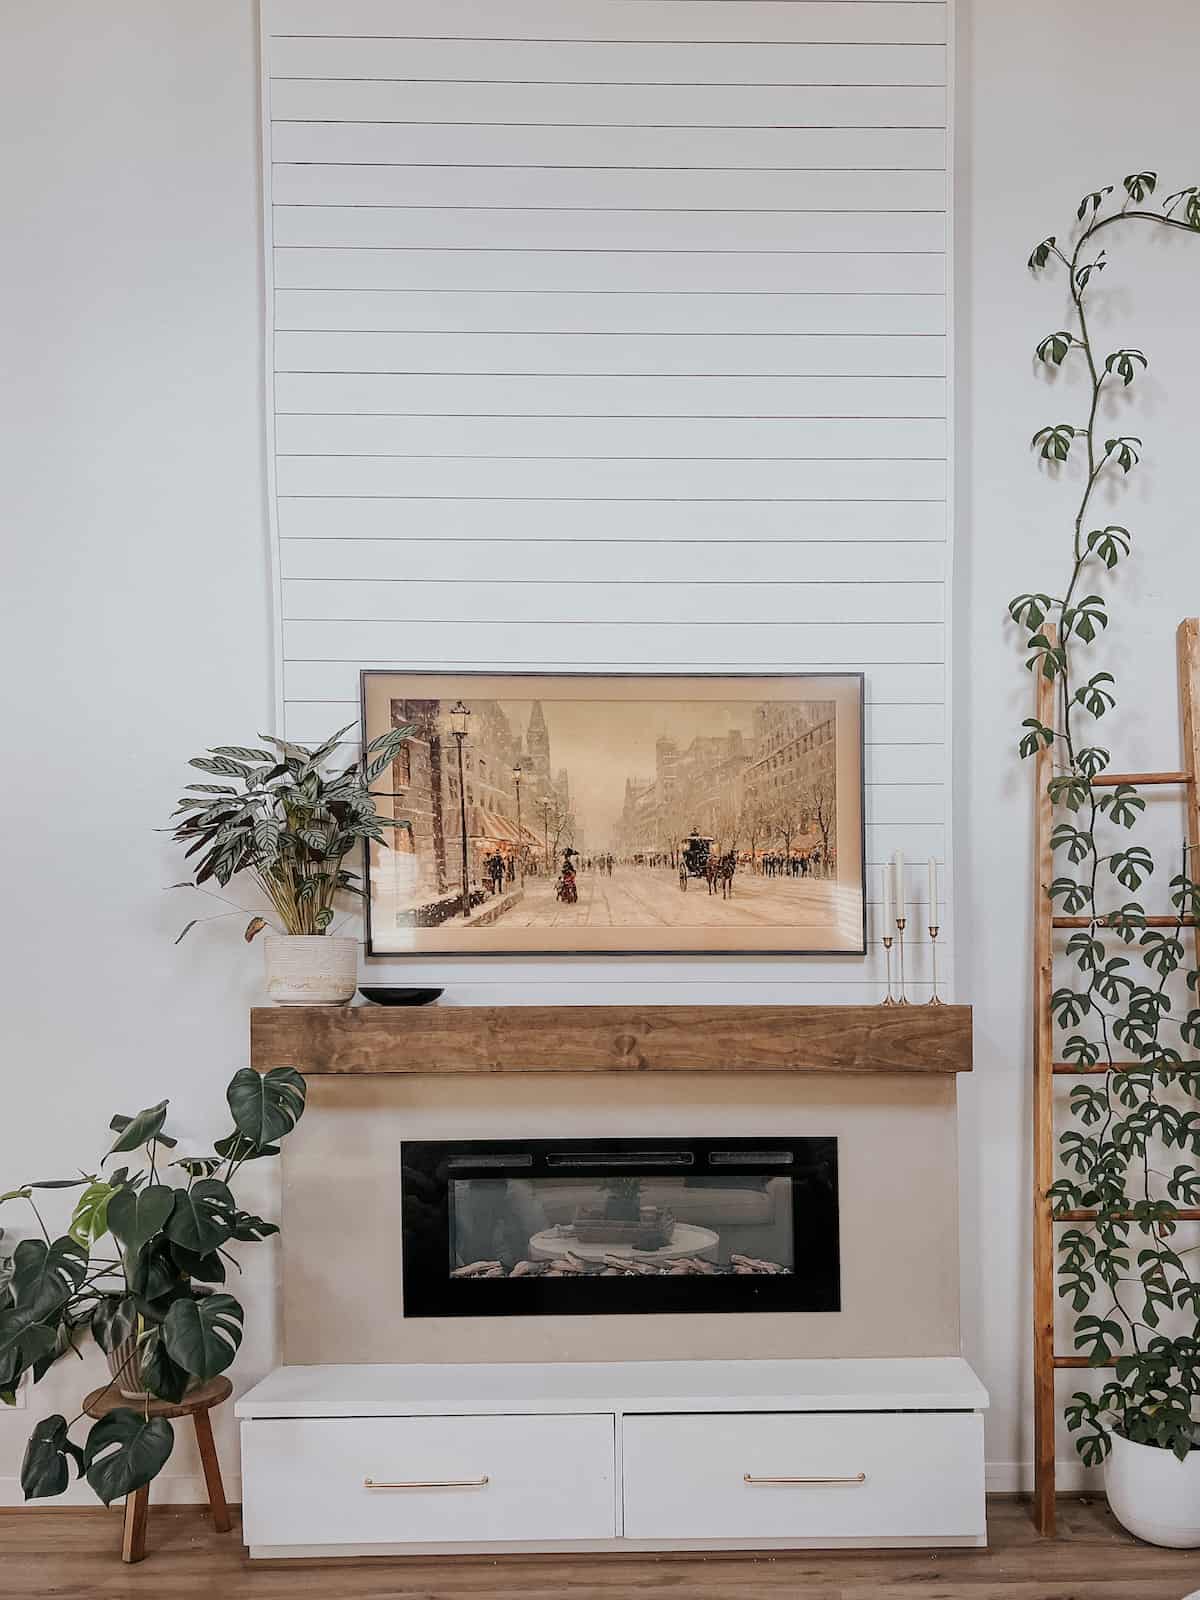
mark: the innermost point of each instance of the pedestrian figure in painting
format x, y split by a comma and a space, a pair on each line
495, 871
567, 890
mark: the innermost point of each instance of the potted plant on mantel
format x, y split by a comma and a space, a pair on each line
141, 1267
290, 824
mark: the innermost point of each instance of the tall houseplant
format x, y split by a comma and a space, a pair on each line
289, 824
1130, 1152
141, 1267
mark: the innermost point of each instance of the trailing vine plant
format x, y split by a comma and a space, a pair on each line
1130, 1151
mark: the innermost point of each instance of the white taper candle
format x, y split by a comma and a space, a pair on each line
898, 884
933, 893
888, 930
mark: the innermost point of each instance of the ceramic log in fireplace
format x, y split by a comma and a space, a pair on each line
593, 1226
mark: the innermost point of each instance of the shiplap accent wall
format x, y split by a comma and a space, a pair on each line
613, 334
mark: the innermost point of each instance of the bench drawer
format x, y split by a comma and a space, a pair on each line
396, 1480
804, 1477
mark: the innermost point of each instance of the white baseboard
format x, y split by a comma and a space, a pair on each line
170, 1489
1016, 1477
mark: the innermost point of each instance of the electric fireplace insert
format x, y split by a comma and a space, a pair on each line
594, 1226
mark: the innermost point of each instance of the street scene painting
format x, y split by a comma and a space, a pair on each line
574, 814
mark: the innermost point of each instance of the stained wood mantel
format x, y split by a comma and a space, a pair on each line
490, 1039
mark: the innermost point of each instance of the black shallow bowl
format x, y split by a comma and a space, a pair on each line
389, 995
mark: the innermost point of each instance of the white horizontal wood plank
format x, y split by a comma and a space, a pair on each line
492, 58
606, 188
750, 438
609, 272
814, 397
695, 522
913, 691
492, 144
839, 21
401, 559
832, 646
899, 106
757, 355
387, 310
561, 600
429, 228
409, 477
904, 742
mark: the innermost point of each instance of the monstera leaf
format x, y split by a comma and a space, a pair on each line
46, 1275
135, 1216
45, 1470
201, 1217
24, 1340
160, 1375
124, 1451
266, 1105
114, 1320
202, 1336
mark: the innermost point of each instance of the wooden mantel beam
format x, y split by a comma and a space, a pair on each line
477, 1039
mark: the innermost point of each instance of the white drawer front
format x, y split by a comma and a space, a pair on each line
305, 1481
902, 1475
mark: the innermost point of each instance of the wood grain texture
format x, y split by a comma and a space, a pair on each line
101, 1401
497, 1039
72, 1554
1044, 1414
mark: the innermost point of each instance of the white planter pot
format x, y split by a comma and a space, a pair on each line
1153, 1494
310, 969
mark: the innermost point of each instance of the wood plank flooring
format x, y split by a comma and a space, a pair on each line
74, 1555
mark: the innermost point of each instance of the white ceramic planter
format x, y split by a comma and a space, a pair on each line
310, 969
125, 1367
1153, 1494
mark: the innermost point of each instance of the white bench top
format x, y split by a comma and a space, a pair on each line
929, 1383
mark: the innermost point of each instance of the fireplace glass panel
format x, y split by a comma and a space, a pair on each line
621, 1225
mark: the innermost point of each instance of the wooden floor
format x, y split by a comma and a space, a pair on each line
73, 1555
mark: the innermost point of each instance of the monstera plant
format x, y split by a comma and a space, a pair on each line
141, 1267
1128, 1013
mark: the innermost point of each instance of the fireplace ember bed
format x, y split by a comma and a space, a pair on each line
596, 1226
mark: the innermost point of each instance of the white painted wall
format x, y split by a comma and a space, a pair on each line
136, 622
1056, 99
136, 625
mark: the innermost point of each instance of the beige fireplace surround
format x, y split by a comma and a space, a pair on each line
883, 1084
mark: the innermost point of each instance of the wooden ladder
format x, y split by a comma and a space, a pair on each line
1045, 1362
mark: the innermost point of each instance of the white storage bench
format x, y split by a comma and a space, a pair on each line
665, 1455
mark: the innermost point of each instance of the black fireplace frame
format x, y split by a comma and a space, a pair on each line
428, 1167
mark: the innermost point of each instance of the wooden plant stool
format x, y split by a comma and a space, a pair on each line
196, 1405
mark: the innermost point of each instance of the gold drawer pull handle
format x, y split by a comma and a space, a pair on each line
431, 1483
858, 1478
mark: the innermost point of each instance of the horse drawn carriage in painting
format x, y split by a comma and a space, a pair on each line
693, 858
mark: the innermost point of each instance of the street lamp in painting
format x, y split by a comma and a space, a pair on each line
517, 776
547, 807
458, 724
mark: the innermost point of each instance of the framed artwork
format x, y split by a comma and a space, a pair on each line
655, 814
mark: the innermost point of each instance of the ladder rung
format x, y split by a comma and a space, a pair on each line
1110, 780
1082, 1361
1191, 1215
1100, 922
1068, 1069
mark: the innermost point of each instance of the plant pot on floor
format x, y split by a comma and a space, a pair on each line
1153, 1494
310, 969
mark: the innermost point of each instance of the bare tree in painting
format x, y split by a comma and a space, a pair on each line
821, 805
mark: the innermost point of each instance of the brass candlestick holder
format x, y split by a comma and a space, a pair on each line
887, 946
901, 924
933, 933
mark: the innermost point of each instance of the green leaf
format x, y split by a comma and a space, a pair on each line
159, 1374
135, 1216
124, 1451
89, 1220
1140, 185
1123, 364
241, 753
1109, 544
203, 1336
1038, 737
247, 1228
266, 1106
208, 1268
237, 1148
153, 1277
1054, 443
44, 1469
201, 1217
46, 1276
1092, 202
1041, 254
1125, 451
1055, 347
134, 1132
114, 1320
